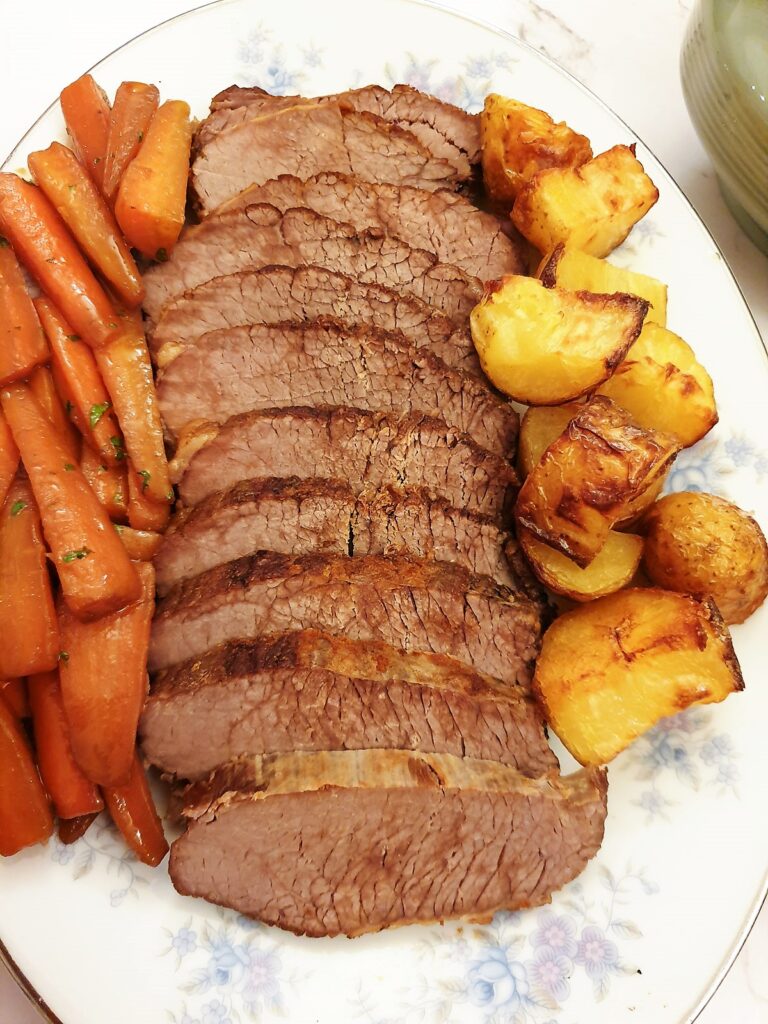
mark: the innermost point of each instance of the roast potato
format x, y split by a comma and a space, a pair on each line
544, 346
609, 670
664, 387
581, 486
518, 140
609, 571
701, 544
578, 271
539, 427
592, 207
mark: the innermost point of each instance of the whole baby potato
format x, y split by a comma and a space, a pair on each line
701, 544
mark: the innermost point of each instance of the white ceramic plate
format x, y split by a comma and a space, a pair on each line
646, 933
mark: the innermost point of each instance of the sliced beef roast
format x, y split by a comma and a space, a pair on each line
277, 294
440, 222
306, 139
446, 130
415, 605
367, 449
353, 841
298, 516
323, 362
311, 691
261, 236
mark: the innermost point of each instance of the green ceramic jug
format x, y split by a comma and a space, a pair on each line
725, 83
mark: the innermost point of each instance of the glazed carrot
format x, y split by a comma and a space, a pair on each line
57, 408
82, 208
72, 829
71, 792
134, 813
127, 372
133, 109
108, 483
141, 545
25, 815
14, 693
75, 365
96, 575
9, 458
153, 191
29, 633
103, 675
86, 113
144, 513
22, 342
45, 247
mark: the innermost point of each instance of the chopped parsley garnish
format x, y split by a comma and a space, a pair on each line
117, 444
97, 411
161, 255
72, 556
73, 337
68, 467
140, 137
146, 476
97, 159
63, 656
18, 506
170, 495
4, 243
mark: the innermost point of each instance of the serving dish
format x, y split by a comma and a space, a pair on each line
652, 924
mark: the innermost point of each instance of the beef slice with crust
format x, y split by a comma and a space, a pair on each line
324, 362
260, 236
411, 604
369, 450
311, 691
347, 842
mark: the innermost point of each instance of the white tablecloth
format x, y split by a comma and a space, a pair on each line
627, 52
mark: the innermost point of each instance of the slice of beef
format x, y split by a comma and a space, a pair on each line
414, 605
306, 139
261, 236
324, 362
441, 222
370, 450
277, 294
297, 516
353, 841
311, 691
446, 130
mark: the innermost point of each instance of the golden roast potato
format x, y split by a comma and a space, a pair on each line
609, 670
611, 569
702, 544
578, 271
539, 427
518, 140
581, 487
664, 387
544, 346
592, 207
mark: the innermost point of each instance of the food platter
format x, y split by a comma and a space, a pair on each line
652, 924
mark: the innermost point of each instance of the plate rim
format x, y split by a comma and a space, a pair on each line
761, 898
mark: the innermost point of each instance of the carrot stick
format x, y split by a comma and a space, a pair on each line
133, 109
14, 693
96, 575
9, 458
86, 113
86, 214
48, 251
134, 813
22, 342
108, 483
144, 513
28, 627
127, 371
141, 545
104, 682
72, 829
71, 792
25, 815
75, 364
153, 191
49, 397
